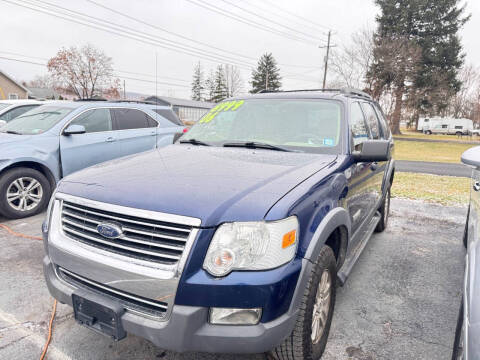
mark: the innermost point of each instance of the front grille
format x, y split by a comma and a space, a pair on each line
142, 238
129, 301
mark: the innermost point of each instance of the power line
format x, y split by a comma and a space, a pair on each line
120, 76
247, 21
295, 15
270, 20
131, 35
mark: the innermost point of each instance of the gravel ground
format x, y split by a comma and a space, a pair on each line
400, 302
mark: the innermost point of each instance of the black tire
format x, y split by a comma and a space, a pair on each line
8, 178
299, 345
428, 132
384, 212
458, 345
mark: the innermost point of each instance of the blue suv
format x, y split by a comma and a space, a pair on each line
49, 142
234, 238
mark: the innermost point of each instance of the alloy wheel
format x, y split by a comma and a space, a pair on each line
24, 194
321, 307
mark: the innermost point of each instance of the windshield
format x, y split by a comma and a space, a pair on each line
3, 106
293, 124
37, 121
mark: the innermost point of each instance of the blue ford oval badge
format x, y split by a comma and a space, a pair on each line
109, 230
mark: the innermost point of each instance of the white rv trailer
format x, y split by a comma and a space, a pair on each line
451, 126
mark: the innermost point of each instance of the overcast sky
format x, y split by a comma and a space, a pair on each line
291, 30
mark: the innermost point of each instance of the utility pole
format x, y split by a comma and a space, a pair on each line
266, 81
124, 92
326, 58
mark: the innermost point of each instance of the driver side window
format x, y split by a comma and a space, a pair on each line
358, 126
97, 120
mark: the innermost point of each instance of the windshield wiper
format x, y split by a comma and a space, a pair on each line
194, 142
255, 145
12, 132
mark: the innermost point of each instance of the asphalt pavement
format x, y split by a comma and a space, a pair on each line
400, 302
436, 168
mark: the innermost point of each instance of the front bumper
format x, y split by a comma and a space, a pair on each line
187, 328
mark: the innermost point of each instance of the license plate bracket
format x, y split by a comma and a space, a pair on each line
98, 313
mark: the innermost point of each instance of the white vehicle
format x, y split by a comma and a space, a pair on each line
450, 126
10, 109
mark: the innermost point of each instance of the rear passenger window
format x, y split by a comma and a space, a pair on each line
372, 121
169, 115
94, 120
126, 119
358, 126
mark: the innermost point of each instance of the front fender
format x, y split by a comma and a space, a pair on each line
335, 218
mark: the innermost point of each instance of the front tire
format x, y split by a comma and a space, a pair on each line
23, 192
309, 337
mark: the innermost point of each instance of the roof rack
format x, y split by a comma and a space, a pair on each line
346, 91
91, 99
135, 101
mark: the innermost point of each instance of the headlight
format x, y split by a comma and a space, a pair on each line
49, 211
252, 246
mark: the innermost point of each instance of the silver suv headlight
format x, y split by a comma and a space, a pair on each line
252, 246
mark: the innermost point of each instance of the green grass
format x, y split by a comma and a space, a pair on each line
409, 134
445, 190
448, 152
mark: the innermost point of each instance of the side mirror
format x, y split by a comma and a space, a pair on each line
471, 157
373, 150
177, 136
2, 123
74, 130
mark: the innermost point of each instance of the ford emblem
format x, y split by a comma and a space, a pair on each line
109, 230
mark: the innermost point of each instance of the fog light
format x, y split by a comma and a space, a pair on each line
228, 316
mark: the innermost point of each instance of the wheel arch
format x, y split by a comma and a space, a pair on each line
36, 166
334, 230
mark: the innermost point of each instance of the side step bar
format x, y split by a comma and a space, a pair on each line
352, 259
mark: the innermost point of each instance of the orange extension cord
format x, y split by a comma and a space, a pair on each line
50, 326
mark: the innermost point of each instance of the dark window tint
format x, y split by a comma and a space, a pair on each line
372, 121
358, 126
169, 115
12, 114
459, 127
444, 126
132, 119
94, 120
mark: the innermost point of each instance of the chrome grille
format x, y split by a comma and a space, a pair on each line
142, 238
131, 302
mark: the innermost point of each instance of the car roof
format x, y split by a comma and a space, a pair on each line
21, 101
95, 104
310, 94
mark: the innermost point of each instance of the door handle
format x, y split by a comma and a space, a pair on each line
374, 166
110, 139
476, 186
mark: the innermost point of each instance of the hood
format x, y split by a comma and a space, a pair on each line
9, 138
214, 184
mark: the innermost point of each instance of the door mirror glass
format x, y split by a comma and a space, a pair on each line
373, 150
471, 157
74, 129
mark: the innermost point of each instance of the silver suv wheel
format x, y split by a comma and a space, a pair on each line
24, 194
321, 307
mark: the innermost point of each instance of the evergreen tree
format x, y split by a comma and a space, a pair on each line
417, 53
220, 85
198, 86
267, 75
210, 86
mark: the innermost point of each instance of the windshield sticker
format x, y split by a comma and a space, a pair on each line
328, 142
222, 107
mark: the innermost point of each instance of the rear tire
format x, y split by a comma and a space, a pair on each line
23, 192
309, 338
384, 212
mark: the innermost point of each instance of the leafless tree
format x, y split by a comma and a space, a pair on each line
86, 70
233, 80
350, 61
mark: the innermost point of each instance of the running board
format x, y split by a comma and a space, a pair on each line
352, 259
